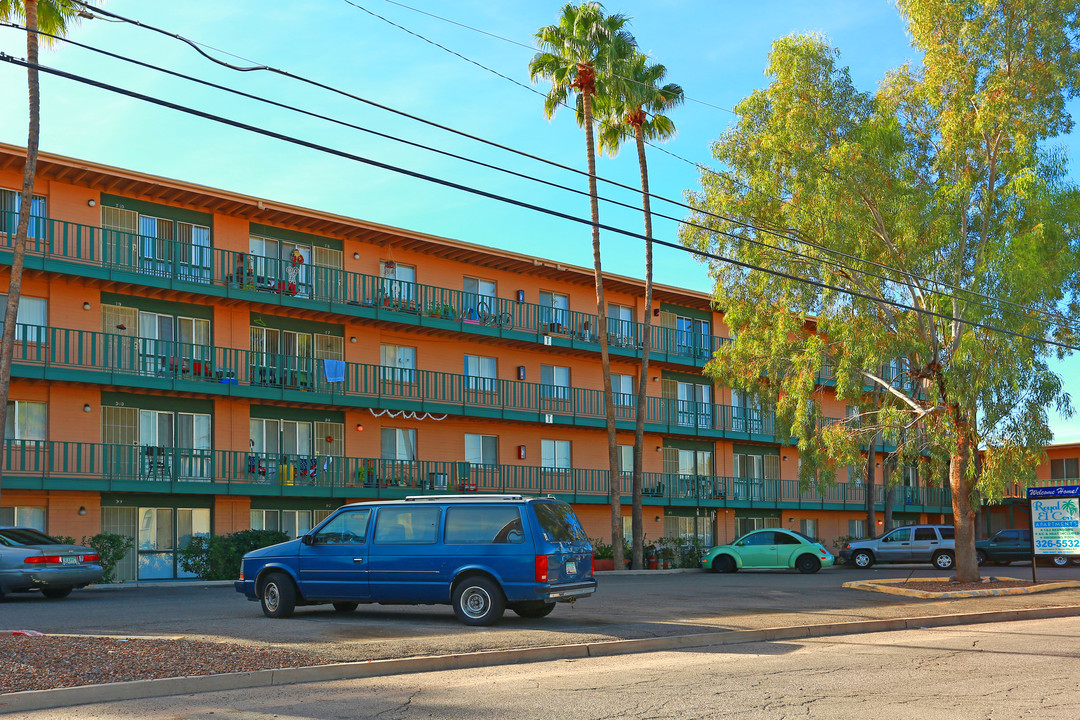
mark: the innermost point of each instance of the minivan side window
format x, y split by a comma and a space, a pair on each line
407, 525
346, 528
483, 526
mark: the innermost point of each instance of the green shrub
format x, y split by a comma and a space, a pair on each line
218, 557
111, 548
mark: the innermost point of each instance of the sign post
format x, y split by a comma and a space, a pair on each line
1055, 522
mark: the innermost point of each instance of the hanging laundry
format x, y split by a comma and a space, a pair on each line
334, 370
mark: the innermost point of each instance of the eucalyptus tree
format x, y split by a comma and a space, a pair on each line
939, 220
576, 56
635, 109
54, 17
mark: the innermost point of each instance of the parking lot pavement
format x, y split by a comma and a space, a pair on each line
625, 606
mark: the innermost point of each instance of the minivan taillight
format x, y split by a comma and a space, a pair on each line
541, 568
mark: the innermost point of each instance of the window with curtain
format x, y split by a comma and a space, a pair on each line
692, 336
398, 281
23, 516
480, 373
1062, 469
479, 298
10, 202
398, 363
265, 519
398, 444
26, 421
626, 458
482, 449
32, 319
694, 404
555, 454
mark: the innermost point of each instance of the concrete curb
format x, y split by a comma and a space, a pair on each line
885, 586
88, 694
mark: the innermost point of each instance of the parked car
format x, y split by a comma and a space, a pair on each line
31, 560
479, 553
772, 548
909, 544
1014, 544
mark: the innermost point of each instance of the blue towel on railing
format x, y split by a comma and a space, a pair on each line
334, 370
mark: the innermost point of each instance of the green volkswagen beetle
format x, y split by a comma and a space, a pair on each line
773, 548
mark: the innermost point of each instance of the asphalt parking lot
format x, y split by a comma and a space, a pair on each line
625, 606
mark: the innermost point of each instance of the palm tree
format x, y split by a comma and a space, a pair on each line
576, 56
53, 17
636, 108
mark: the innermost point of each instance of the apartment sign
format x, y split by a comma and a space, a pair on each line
1055, 520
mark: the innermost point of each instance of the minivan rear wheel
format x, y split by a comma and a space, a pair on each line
278, 596
533, 608
478, 601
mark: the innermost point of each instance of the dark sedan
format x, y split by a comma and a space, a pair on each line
31, 560
1013, 544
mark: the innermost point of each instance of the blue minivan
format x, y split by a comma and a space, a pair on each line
480, 553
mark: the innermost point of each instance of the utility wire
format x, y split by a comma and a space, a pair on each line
824, 261
4, 57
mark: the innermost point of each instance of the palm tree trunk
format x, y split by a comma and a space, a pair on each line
614, 477
26, 194
637, 522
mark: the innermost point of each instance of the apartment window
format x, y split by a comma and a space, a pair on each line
23, 516
398, 281
480, 373
554, 311
694, 406
685, 528
398, 363
10, 202
398, 444
620, 323
479, 298
25, 421
555, 454
808, 527
626, 458
556, 381
293, 523
692, 336
744, 525
745, 412
855, 475
482, 449
1065, 469
174, 344
856, 528
157, 246
622, 389
273, 437
31, 320
281, 265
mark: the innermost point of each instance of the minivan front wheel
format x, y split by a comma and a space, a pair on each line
943, 560
278, 596
478, 601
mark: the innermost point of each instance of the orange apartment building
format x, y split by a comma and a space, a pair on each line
191, 360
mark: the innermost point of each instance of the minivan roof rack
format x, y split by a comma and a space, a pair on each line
472, 497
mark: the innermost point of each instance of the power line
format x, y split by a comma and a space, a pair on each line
1050, 317
422, 146
511, 201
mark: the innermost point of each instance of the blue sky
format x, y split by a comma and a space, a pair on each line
716, 50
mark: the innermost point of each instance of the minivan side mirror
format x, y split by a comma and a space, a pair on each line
308, 539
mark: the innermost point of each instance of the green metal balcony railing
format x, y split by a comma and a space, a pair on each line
125, 360
196, 268
148, 468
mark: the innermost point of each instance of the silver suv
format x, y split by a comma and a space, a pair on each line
910, 544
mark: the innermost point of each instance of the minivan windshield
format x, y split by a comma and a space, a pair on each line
558, 522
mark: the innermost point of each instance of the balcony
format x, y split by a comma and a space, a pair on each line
88, 251
61, 354
96, 467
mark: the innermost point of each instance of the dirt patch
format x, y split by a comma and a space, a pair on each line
942, 586
47, 662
